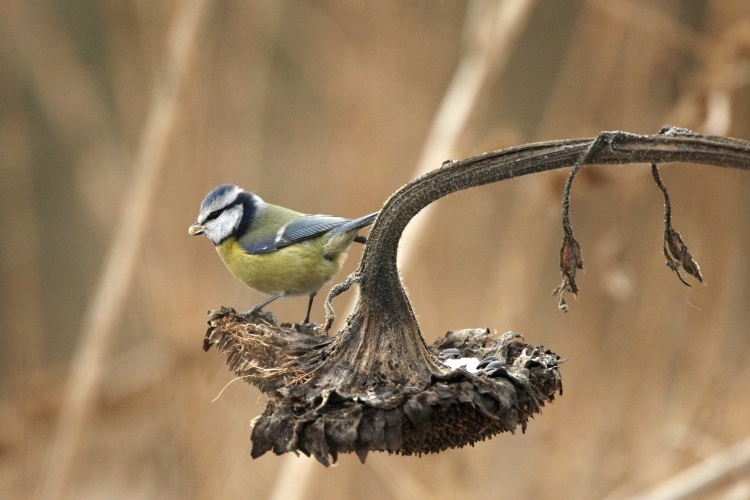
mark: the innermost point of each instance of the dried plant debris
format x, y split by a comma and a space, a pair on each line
677, 255
674, 249
489, 385
571, 261
257, 352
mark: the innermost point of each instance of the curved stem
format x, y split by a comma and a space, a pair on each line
379, 280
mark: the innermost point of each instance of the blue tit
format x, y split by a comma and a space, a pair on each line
272, 249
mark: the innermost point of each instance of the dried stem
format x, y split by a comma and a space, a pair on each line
703, 478
674, 249
380, 285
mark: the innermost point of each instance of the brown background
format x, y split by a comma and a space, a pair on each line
324, 106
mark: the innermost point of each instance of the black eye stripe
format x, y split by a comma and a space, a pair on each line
213, 215
218, 212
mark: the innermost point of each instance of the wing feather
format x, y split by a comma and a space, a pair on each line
308, 227
301, 229
305, 228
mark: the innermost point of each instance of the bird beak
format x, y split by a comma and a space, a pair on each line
196, 229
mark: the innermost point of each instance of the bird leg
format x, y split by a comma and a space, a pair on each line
259, 307
309, 308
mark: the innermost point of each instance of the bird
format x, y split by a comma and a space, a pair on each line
272, 249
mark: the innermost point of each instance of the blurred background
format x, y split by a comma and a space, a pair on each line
117, 117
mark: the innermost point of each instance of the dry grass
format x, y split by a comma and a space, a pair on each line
325, 107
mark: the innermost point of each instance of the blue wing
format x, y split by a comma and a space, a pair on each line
304, 228
308, 227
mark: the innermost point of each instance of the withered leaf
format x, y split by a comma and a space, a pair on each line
570, 261
678, 255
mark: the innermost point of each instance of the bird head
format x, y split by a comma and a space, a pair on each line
222, 211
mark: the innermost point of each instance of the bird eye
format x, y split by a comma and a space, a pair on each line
212, 216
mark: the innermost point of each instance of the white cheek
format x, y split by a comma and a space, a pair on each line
224, 225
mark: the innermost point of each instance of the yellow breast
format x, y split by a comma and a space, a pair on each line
299, 269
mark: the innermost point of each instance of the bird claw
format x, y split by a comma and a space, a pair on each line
309, 328
259, 313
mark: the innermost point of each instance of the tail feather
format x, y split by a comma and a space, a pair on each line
356, 223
